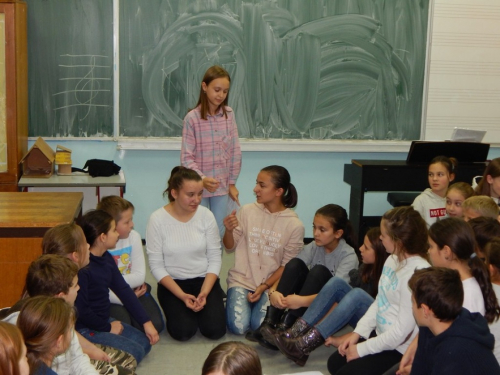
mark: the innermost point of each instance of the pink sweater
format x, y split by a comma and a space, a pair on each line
264, 241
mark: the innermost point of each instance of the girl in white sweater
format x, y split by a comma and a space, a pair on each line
183, 246
388, 326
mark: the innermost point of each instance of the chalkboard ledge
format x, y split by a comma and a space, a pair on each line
275, 145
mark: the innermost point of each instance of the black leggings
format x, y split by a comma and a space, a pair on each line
182, 322
298, 279
373, 364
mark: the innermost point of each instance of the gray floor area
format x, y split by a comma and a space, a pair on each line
181, 358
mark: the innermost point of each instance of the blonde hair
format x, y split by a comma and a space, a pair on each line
65, 239
483, 205
464, 188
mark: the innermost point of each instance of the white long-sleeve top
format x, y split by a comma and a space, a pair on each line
391, 314
183, 250
129, 258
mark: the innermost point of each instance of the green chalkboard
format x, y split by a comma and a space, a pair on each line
300, 69
70, 68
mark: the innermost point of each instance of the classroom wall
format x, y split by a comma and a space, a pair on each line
318, 177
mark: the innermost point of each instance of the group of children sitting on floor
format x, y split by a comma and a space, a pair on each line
281, 294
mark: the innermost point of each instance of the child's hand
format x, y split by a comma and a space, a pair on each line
293, 301
350, 339
141, 290
151, 333
190, 301
116, 327
234, 193
230, 221
201, 300
277, 300
211, 184
352, 353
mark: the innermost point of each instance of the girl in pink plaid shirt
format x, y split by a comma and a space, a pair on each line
210, 144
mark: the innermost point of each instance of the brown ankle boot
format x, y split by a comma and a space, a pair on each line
299, 348
298, 328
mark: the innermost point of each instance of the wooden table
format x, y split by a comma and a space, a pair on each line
24, 219
93, 188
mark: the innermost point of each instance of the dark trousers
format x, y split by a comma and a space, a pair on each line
373, 364
298, 279
182, 322
147, 301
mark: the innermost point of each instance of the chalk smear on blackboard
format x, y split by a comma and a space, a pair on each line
309, 70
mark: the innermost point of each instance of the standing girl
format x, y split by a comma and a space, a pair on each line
431, 204
210, 144
47, 327
350, 304
94, 322
490, 183
13, 359
331, 254
184, 250
265, 235
455, 196
404, 235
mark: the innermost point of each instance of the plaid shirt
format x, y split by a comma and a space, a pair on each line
211, 148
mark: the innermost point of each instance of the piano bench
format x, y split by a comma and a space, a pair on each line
400, 198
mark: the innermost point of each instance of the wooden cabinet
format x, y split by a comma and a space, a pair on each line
24, 219
13, 91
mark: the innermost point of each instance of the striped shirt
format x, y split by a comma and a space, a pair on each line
211, 148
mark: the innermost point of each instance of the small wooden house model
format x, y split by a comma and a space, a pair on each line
63, 160
39, 161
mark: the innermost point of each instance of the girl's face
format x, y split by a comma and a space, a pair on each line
24, 368
324, 233
264, 189
454, 200
367, 251
125, 225
436, 255
188, 197
111, 238
439, 178
494, 183
386, 239
216, 92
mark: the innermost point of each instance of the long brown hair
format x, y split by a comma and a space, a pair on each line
11, 349
212, 73
459, 237
232, 358
371, 272
493, 170
42, 321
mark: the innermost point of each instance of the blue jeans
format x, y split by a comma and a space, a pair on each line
242, 315
218, 206
131, 340
352, 305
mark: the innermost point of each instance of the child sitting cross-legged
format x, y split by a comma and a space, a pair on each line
451, 339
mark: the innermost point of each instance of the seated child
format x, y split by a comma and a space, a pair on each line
455, 197
129, 257
451, 339
232, 358
480, 205
92, 302
55, 276
490, 182
431, 204
492, 252
485, 228
13, 359
47, 325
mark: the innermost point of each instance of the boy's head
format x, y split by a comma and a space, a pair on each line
122, 211
437, 293
53, 275
479, 205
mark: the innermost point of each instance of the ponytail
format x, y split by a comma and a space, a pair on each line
337, 217
480, 272
281, 180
